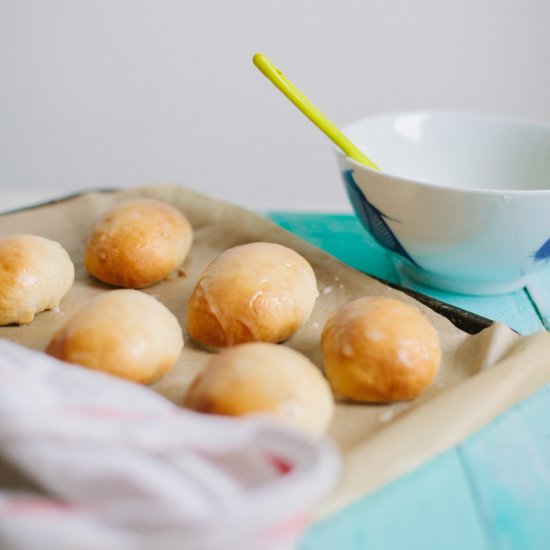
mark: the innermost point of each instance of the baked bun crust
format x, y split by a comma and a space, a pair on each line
35, 274
378, 349
253, 292
264, 378
125, 333
138, 243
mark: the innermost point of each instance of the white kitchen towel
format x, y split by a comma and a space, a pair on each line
110, 464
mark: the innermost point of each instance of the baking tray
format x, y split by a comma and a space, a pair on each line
464, 320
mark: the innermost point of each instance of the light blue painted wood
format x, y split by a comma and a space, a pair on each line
416, 512
508, 465
493, 490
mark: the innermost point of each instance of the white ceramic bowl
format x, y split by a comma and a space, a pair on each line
462, 200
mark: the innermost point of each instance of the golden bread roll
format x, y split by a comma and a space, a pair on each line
253, 292
378, 349
137, 243
264, 378
125, 333
35, 274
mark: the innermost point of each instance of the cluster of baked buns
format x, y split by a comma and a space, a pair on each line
246, 302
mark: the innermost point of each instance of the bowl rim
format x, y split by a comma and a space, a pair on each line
486, 116
493, 116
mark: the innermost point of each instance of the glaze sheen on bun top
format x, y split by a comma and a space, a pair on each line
253, 292
263, 378
138, 243
378, 349
35, 274
126, 333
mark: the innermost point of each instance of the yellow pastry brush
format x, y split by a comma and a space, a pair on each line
277, 77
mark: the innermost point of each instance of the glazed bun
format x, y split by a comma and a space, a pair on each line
378, 349
254, 292
125, 333
35, 274
264, 378
138, 243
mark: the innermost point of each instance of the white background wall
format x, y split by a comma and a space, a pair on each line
111, 93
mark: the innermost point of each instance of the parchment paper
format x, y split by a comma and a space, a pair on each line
480, 376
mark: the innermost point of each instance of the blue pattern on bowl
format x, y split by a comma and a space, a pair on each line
374, 220
543, 253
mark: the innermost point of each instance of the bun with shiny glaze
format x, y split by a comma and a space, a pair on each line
257, 292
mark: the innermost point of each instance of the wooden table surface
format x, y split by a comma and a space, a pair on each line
490, 492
